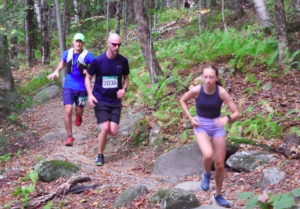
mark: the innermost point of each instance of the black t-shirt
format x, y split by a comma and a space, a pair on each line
109, 74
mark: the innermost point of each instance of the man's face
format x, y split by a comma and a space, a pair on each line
78, 44
114, 46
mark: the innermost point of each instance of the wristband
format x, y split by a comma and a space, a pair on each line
125, 89
229, 117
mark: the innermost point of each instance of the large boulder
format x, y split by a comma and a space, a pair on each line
174, 198
46, 94
272, 176
130, 194
186, 160
56, 135
249, 160
54, 169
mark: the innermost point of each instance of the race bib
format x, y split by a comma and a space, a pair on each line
82, 101
110, 82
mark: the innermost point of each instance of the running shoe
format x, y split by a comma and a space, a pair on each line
205, 181
69, 141
78, 121
221, 201
99, 160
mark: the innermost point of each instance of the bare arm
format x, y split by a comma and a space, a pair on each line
121, 92
55, 74
125, 81
91, 98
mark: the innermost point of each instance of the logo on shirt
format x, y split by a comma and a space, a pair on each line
119, 66
109, 82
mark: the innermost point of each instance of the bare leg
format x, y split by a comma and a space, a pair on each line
219, 146
206, 150
68, 118
102, 138
79, 111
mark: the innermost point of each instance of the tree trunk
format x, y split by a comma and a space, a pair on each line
64, 24
213, 3
125, 22
37, 9
155, 14
14, 37
29, 37
45, 41
118, 16
83, 8
223, 18
76, 9
200, 18
203, 4
281, 27
238, 8
178, 4
262, 13
145, 41
107, 19
5, 71
130, 12
169, 3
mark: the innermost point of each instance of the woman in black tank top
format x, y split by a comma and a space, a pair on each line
208, 123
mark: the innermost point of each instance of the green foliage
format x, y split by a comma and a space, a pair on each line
18, 153
23, 192
279, 201
13, 118
48, 205
37, 82
5, 157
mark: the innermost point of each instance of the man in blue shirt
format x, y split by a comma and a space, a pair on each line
111, 70
77, 60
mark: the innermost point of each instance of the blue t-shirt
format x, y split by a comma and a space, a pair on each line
109, 74
74, 80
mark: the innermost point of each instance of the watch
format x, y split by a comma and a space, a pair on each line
228, 116
125, 89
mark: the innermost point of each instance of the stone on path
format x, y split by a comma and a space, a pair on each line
189, 185
174, 198
46, 94
54, 169
186, 160
130, 194
61, 134
272, 176
249, 160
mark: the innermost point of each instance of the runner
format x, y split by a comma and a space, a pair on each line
77, 60
109, 68
209, 123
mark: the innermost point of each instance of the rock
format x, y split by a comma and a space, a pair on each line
174, 198
222, 70
154, 135
249, 160
54, 169
290, 147
189, 186
13, 173
46, 94
186, 160
272, 176
130, 194
60, 134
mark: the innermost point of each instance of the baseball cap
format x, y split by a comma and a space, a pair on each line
79, 36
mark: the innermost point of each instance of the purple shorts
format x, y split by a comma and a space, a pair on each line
70, 96
208, 126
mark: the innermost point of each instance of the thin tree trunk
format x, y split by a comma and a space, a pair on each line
262, 13
125, 22
178, 4
14, 37
64, 24
107, 19
130, 12
145, 41
200, 17
83, 8
118, 16
169, 3
76, 9
155, 15
213, 3
61, 39
203, 4
5, 71
238, 9
29, 15
37, 9
45, 41
152, 75
281, 27
223, 18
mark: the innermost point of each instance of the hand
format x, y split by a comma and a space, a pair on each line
195, 122
221, 122
92, 100
121, 93
84, 71
53, 75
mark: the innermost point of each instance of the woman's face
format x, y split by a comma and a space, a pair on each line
209, 77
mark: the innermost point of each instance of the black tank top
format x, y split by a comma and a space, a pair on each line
209, 105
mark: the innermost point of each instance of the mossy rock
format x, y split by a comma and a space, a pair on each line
54, 169
130, 194
174, 198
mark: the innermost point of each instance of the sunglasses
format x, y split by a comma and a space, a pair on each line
114, 44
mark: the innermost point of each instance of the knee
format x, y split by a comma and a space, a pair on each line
208, 156
219, 165
105, 129
114, 132
68, 112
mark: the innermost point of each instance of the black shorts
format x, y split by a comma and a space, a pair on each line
106, 112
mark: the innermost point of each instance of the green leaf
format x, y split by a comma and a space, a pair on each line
49, 205
18, 153
100, 191
245, 195
251, 203
267, 87
296, 192
34, 176
285, 201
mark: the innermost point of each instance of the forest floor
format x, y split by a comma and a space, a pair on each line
128, 165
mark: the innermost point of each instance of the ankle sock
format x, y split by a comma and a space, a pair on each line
70, 135
100, 155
